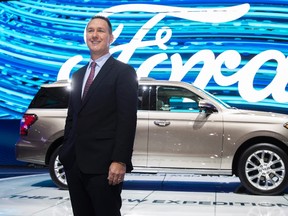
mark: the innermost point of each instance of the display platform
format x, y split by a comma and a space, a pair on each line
144, 195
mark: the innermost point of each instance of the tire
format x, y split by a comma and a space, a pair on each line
56, 171
263, 169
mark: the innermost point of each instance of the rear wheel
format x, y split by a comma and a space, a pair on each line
56, 170
263, 169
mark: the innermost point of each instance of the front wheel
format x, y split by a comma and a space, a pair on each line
56, 171
263, 169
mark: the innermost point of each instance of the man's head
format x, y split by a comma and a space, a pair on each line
105, 19
99, 36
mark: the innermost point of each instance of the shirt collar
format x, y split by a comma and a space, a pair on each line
100, 61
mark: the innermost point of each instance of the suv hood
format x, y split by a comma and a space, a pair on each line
257, 116
262, 113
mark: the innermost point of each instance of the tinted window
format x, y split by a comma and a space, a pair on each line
56, 97
143, 97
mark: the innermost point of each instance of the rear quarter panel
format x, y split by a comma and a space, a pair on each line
48, 128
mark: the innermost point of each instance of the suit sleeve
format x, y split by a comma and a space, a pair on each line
126, 102
69, 117
63, 153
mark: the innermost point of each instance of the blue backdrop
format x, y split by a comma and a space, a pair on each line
236, 50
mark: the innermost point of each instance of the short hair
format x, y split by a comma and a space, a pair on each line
105, 19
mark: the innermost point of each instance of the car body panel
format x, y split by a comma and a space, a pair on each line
191, 140
253, 125
141, 140
42, 134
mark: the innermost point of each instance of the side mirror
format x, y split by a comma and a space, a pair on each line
207, 107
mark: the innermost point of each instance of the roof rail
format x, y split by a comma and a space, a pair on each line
146, 79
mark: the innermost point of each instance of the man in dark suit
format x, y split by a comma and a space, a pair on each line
100, 127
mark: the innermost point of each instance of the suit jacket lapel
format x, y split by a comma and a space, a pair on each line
105, 70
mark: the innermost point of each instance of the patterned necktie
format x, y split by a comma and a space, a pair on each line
90, 79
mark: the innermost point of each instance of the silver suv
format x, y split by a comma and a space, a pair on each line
180, 128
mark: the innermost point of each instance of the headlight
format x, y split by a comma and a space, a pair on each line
286, 125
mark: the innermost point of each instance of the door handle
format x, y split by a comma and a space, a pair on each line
162, 123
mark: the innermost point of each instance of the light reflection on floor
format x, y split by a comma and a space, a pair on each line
145, 195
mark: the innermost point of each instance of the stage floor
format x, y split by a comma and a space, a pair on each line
145, 195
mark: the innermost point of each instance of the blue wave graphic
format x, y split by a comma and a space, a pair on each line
37, 37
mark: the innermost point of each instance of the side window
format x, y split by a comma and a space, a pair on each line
143, 97
56, 97
176, 99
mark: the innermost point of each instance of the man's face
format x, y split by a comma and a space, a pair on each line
98, 38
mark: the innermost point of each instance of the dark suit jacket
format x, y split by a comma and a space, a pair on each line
101, 128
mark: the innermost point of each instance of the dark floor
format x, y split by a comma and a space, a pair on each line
13, 171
